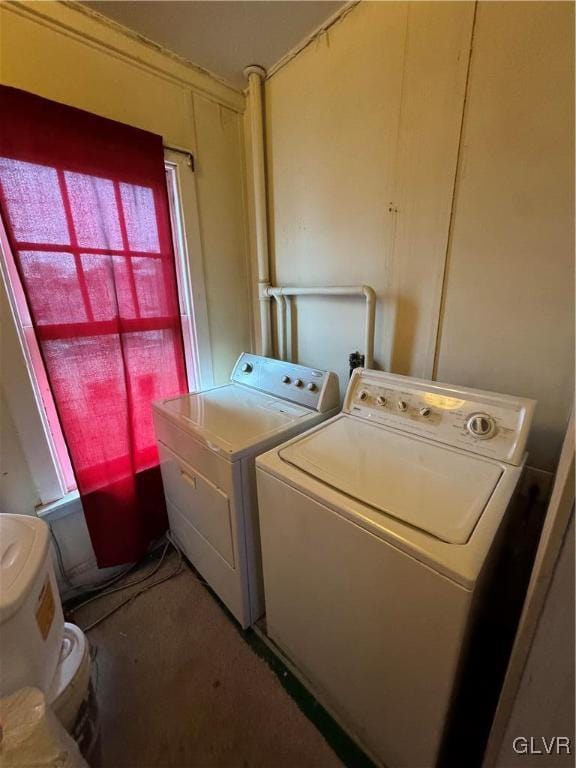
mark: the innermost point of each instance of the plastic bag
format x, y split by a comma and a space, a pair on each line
31, 736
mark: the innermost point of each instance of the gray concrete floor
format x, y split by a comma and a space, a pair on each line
179, 687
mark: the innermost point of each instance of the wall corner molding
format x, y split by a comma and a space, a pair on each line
73, 20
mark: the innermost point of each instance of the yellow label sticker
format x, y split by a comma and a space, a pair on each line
45, 609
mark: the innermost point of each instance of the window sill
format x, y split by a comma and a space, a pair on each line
61, 507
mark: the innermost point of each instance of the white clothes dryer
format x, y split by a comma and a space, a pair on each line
208, 442
378, 531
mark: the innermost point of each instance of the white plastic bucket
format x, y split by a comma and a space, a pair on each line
71, 696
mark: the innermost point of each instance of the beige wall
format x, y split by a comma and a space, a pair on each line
221, 199
508, 321
63, 54
363, 143
18, 494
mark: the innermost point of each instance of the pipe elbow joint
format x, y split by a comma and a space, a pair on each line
264, 293
369, 293
254, 69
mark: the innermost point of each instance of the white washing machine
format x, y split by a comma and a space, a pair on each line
378, 528
207, 443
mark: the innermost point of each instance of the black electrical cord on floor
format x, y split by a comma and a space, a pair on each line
85, 590
105, 592
144, 589
139, 592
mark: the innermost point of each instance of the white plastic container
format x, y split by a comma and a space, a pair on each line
71, 695
31, 620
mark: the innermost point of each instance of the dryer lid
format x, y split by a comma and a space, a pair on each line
234, 415
433, 488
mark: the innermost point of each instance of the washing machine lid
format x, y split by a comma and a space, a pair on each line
438, 490
233, 415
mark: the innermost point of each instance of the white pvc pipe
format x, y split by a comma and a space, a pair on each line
353, 290
255, 76
281, 330
287, 309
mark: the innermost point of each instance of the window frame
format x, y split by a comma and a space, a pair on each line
22, 376
24, 380
187, 241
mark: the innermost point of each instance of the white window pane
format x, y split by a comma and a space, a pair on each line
123, 285
34, 202
140, 217
99, 276
53, 288
94, 210
153, 298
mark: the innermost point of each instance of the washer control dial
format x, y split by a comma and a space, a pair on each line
311, 386
402, 405
247, 368
298, 382
286, 379
481, 425
425, 412
363, 395
381, 400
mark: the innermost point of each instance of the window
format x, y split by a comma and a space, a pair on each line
53, 254
182, 275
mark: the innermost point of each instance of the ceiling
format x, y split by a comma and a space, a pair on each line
222, 36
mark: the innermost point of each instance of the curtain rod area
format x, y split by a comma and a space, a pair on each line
182, 151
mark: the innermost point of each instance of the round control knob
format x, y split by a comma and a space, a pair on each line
311, 386
298, 382
363, 395
402, 405
247, 368
481, 425
425, 412
381, 400
286, 379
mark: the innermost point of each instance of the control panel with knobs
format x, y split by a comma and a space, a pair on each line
291, 382
484, 423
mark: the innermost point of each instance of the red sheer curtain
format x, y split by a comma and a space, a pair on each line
85, 206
